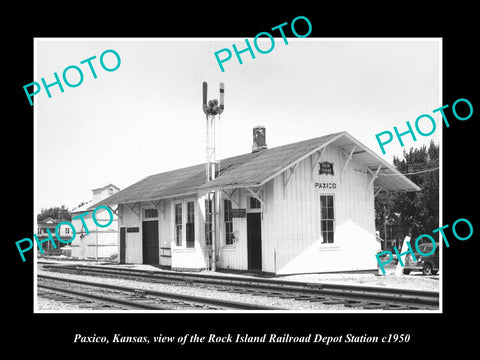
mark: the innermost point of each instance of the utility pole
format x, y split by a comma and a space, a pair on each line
385, 225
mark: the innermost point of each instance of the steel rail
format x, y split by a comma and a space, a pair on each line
395, 296
103, 299
221, 304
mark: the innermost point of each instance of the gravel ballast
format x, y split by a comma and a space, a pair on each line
368, 279
285, 304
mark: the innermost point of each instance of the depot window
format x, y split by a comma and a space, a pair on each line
327, 222
178, 224
227, 209
208, 221
190, 225
150, 213
255, 203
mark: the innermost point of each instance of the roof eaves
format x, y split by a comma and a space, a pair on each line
385, 163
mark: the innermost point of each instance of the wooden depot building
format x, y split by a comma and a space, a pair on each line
298, 208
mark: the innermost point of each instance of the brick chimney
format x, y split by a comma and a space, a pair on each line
259, 136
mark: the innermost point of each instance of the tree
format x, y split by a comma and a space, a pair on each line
413, 213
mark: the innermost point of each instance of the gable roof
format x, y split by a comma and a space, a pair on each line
255, 169
85, 207
266, 165
48, 221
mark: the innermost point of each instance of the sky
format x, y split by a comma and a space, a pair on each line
146, 117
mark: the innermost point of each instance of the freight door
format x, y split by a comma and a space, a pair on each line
150, 242
133, 246
254, 240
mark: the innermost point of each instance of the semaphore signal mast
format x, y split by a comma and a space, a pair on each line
211, 110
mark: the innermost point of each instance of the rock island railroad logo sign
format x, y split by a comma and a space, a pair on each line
325, 167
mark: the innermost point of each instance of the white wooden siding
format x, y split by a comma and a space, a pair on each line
234, 256
165, 234
195, 258
133, 240
292, 240
181, 256
291, 236
101, 242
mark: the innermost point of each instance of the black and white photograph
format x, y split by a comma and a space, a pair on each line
254, 189
281, 187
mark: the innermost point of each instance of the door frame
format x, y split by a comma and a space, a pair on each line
156, 242
254, 260
122, 245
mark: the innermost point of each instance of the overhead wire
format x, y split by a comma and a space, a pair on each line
411, 173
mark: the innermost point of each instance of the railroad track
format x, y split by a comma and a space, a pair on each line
100, 296
350, 296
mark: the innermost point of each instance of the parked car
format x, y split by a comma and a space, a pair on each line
429, 265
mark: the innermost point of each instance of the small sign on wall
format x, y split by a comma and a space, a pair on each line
238, 213
325, 167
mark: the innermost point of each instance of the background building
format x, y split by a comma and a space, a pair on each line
64, 232
100, 242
